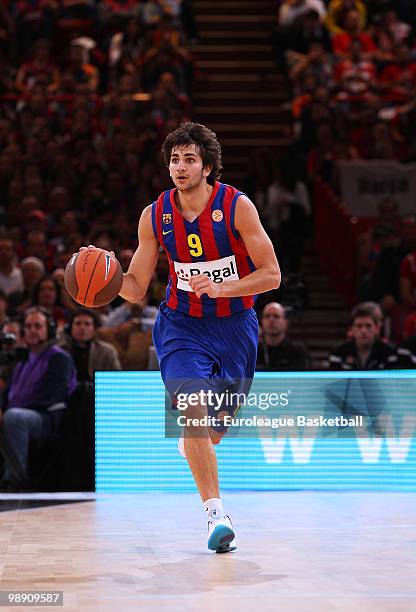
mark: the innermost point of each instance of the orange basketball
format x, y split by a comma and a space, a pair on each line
93, 277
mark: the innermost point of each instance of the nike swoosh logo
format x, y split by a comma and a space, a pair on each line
168, 232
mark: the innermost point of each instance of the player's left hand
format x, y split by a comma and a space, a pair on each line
200, 283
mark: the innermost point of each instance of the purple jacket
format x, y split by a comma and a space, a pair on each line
44, 379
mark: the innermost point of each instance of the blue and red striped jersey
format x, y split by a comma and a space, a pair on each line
208, 245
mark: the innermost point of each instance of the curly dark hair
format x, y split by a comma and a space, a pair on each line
94, 316
37, 288
206, 142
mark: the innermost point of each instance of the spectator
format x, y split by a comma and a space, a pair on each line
32, 271
407, 349
370, 245
3, 308
408, 281
321, 159
37, 246
377, 314
317, 63
387, 32
10, 275
88, 353
131, 338
67, 158
342, 43
47, 294
41, 70
355, 75
398, 79
38, 390
10, 352
364, 350
140, 313
276, 351
84, 74
385, 286
337, 13
383, 143
291, 10
120, 8
167, 58
126, 48
150, 13
277, 193
307, 31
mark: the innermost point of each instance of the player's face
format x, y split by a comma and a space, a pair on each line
186, 168
364, 331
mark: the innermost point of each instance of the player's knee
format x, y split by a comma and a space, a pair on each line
195, 421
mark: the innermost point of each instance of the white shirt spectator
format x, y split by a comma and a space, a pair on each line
13, 282
123, 313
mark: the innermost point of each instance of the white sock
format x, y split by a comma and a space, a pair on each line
213, 506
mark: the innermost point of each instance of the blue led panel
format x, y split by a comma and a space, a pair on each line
133, 454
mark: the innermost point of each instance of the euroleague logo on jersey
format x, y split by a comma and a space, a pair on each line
217, 215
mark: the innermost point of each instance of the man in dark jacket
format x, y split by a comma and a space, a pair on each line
38, 390
276, 351
364, 350
89, 353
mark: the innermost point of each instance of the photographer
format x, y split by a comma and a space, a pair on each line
39, 387
12, 350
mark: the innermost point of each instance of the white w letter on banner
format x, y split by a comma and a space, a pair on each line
273, 449
399, 446
301, 449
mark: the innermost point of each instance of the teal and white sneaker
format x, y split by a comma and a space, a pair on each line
220, 533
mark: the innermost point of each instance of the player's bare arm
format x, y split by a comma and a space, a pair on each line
260, 249
137, 279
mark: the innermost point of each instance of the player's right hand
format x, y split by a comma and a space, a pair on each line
92, 246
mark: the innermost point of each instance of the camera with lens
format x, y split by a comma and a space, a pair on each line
9, 352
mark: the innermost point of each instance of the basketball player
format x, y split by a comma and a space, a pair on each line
206, 332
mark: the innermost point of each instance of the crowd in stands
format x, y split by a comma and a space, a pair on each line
352, 68
89, 90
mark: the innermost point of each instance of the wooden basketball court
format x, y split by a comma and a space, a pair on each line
297, 551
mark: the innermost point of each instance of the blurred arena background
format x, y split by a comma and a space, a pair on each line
314, 104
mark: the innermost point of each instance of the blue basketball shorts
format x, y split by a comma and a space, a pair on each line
202, 354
